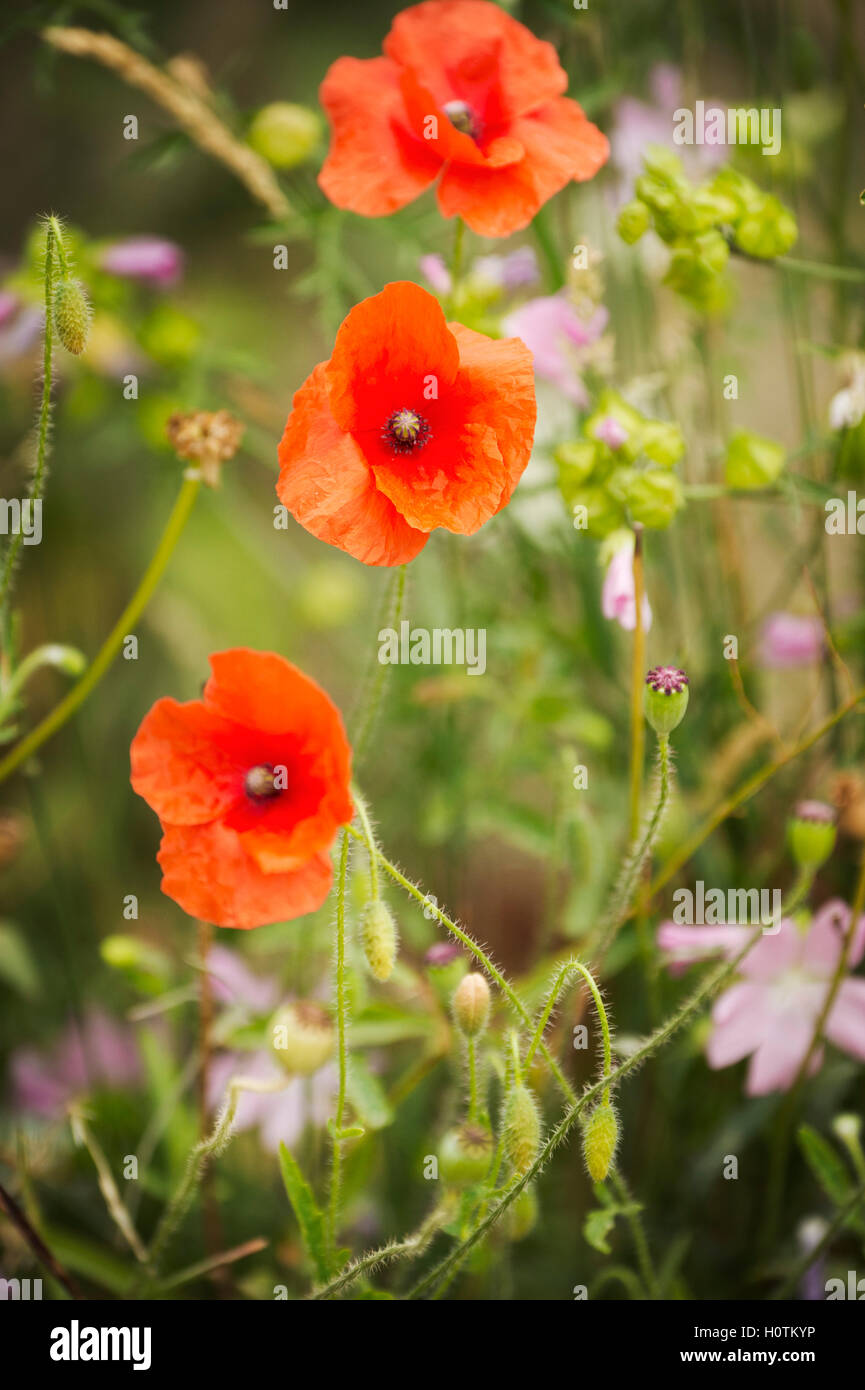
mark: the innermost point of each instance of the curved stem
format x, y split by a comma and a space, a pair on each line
473, 1078
573, 967
113, 642
624, 900
369, 840
638, 1234
339, 1114
510, 994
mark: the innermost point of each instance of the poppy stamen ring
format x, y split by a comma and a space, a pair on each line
260, 783
406, 431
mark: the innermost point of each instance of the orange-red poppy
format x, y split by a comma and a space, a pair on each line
250, 784
414, 423
466, 92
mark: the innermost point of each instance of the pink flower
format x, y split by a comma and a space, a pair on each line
638, 124
145, 258
554, 332
101, 1054
790, 640
771, 1012
617, 597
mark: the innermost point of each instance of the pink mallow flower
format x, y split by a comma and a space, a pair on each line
146, 258
771, 1012
787, 640
101, 1054
555, 334
617, 596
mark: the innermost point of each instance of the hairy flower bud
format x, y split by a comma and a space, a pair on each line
285, 134
811, 831
665, 698
464, 1155
71, 316
522, 1128
302, 1037
600, 1137
472, 1004
380, 938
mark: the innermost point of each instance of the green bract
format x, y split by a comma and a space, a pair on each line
752, 461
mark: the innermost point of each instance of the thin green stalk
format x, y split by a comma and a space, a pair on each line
813, 1255
473, 1078
339, 1114
638, 672
510, 994
107, 1186
369, 840
562, 982
114, 641
411, 1246
638, 1234
705, 991
53, 241
374, 688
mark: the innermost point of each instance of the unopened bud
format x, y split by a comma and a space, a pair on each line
600, 1137
302, 1037
522, 1128
472, 1004
380, 938
812, 834
464, 1155
71, 316
665, 698
285, 134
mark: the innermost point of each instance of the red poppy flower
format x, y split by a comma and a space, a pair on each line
414, 423
250, 784
467, 92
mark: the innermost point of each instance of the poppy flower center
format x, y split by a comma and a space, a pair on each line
260, 783
405, 431
463, 118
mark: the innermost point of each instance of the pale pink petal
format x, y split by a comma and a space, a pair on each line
845, 1026
774, 953
741, 1020
686, 944
775, 1063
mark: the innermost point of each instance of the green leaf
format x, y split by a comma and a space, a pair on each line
597, 1226
17, 966
825, 1164
309, 1217
367, 1096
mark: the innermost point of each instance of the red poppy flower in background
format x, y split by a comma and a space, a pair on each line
414, 423
467, 92
250, 784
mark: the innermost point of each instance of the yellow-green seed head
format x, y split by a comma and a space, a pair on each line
464, 1155
600, 1137
301, 1037
71, 316
380, 938
522, 1128
472, 1004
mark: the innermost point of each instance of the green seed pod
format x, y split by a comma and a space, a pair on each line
380, 938
634, 220
464, 1155
285, 134
472, 1004
600, 1137
71, 316
811, 831
665, 698
523, 1213
301, 1037
522, 1128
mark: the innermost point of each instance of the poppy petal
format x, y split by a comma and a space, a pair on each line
183, 763
327, 485
375, 164
208, 873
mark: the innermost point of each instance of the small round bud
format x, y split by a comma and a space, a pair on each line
472, 1004
71, 316
302, 1037
600, 1137
464, 1155
665, 698
634, 220
522, 1128
811, 830
848, 1128
380, 938
285, 134
523, 1213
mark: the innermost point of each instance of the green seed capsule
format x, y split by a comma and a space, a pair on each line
522, 1128
302, 1037
71, 316
464, 1155
665, 698
600, 1138
811, 829
380, 938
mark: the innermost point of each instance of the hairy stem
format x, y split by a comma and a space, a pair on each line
339, 976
